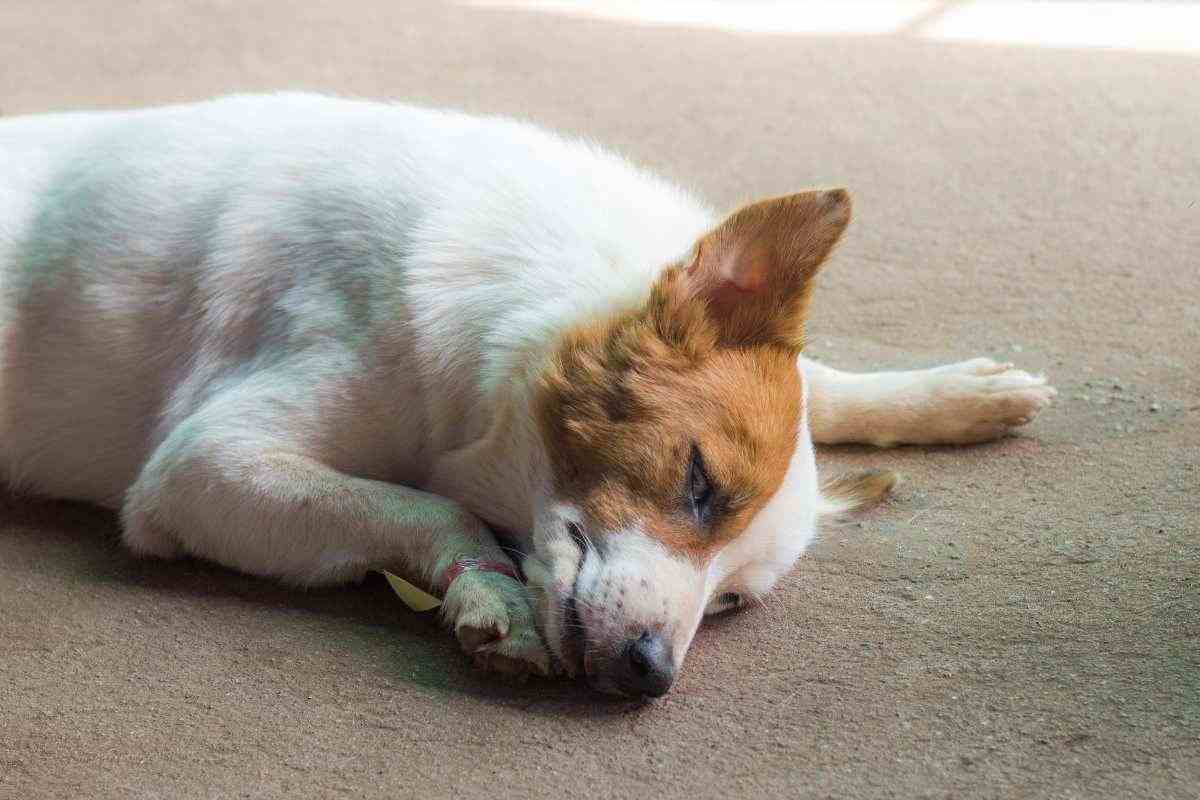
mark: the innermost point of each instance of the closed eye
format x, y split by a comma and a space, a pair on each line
700, 492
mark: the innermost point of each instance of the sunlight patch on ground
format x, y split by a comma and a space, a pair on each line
1150, 26
753, 16
1123, 26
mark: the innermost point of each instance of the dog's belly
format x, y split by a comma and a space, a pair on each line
86, 371
65, 384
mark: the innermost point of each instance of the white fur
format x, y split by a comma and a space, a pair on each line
298, 335
779, 533
971, 401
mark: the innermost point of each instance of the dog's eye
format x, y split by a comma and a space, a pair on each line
699, 488
730, 599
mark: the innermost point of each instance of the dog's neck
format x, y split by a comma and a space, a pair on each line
504, 475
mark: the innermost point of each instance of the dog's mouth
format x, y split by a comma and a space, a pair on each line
574, 634
574, 637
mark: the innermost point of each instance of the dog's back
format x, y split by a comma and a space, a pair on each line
148, 256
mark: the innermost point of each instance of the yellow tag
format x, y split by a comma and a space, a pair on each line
413, 597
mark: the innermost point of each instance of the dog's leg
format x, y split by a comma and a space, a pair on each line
971, 401
262, 506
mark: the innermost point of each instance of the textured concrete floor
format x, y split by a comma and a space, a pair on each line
1023, 620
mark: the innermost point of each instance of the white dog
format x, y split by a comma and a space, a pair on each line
307, 338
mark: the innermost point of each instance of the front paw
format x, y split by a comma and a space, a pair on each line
493, 619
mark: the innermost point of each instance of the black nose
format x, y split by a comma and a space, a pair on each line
647, 668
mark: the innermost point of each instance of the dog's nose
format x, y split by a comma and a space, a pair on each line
648, 668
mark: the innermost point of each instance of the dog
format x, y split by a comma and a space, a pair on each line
308, 337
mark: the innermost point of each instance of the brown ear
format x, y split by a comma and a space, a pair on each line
754, 271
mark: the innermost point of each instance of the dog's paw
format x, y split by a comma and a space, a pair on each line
977, 401
493, 619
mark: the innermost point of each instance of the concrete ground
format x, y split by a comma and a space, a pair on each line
1022, 620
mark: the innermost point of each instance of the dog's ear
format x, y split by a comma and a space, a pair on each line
754, 271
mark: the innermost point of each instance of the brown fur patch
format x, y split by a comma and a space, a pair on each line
708, 362
621, 408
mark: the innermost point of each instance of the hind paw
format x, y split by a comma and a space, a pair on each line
975, 401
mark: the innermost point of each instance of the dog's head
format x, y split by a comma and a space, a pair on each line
683, 474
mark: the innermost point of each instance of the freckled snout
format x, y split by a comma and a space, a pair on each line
646, 668
621, 608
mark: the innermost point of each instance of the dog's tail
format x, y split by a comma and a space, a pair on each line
856, 491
